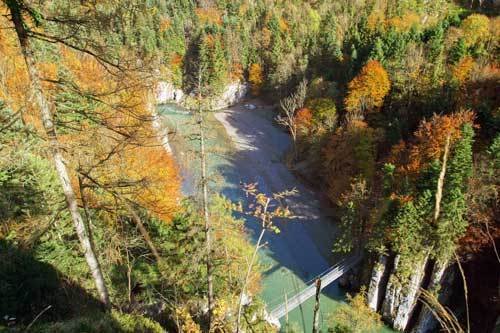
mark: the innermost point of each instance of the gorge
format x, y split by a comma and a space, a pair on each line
249, 166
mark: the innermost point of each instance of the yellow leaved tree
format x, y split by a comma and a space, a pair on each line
368, 89
255, 76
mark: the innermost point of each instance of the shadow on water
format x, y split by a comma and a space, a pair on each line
252, 153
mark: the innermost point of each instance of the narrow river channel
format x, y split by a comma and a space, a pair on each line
245, 147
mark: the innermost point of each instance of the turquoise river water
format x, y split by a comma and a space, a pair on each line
303, 248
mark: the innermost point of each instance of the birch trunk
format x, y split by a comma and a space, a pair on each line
247, 277
440, 184
316, 307
426, 319
55, 151
204, 199
250, 265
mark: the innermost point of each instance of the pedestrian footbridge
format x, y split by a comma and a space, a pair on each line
327, 277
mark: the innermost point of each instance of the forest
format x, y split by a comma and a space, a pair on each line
381, 117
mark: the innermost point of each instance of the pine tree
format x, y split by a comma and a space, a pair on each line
452, 223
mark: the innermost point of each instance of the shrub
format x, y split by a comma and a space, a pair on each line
115, 322
355, 317
324, 113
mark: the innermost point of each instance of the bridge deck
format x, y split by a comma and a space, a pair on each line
328, 277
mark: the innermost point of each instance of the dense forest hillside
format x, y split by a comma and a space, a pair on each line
393, 111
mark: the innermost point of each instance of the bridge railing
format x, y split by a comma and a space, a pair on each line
326, 278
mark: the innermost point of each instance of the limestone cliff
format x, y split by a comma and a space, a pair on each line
397, 298
232, 93
378, 282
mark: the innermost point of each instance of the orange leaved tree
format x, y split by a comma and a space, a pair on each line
431, 136
121, 162
94, 104
303, 120
368, 89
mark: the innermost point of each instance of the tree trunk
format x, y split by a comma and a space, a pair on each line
439, 190
142, 229
247, 277
316, 307
286, 311
55, 150
206, 217
293, 130
129, 206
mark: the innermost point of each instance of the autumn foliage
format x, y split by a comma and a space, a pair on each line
256, 78
368, 89
376, 20
349, 154
14, 82
209, 15
303, 120
404, 22
475, 29
463, 69
324, 113
143, 174
109, 135
401, 23
126, 155
156, 176
429, 141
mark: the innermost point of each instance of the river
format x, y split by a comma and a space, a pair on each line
245, 147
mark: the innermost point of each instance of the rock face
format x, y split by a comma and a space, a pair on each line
441, 277
231, 94
389, 305
401, 296
161, 130
376, 288
166, 92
